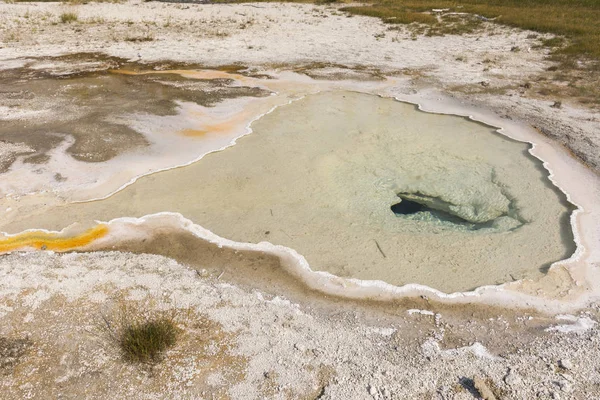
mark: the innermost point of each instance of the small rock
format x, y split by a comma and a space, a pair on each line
385, 393
512, 378
372, 390
484, 83
565, 364
565, 386
557, 104
484, 391
202, 273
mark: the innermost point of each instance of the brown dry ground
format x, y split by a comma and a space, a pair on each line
85, 103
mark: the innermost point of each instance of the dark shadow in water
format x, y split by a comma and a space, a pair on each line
566, 231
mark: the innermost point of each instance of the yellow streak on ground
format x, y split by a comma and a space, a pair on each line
192, 74
51, 240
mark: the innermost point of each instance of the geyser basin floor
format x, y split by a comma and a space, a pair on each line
321, 175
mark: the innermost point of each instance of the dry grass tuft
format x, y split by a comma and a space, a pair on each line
145, 341
68, 17
140, 336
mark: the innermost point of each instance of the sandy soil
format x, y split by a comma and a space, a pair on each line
242, 343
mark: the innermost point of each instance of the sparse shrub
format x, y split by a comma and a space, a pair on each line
68, 17
140, 337
145, 341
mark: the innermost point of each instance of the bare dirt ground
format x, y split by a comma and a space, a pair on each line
240, 343
243, 344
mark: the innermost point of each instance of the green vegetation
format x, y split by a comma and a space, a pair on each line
68, 17
577, 20
141, 338
145, 341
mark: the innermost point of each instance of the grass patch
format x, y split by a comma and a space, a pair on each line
140, 337
68, 17
145, 341
577, 20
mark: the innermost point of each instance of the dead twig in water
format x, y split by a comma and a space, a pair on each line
379, 248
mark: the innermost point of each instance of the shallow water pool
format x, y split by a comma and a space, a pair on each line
327, 174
